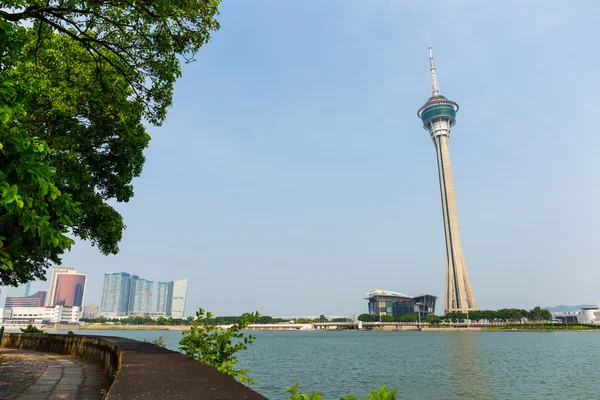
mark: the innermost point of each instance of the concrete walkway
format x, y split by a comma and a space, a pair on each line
28, 375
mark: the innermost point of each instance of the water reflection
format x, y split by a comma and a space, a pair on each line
468, 361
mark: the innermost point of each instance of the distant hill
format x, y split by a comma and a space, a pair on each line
563, 308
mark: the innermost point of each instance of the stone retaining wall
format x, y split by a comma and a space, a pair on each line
140, 370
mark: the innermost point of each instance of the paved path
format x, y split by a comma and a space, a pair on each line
29, 375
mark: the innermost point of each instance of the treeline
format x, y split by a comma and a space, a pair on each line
503, 315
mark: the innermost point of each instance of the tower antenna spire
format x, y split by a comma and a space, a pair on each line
435, 87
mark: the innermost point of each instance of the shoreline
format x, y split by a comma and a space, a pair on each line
292, 328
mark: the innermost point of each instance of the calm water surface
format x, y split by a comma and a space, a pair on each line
421, 365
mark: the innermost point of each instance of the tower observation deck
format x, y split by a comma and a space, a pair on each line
439, 116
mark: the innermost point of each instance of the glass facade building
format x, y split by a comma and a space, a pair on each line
37, 299
164, 301
140, 295
55, 272
384, 302
115, 294
69, 290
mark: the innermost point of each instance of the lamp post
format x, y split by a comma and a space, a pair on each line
419, 315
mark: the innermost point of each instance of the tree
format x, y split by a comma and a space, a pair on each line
213, 346
408, 318
31, 329
545, 315
77, 80
387, 318
432, 319
366, 318
161, 320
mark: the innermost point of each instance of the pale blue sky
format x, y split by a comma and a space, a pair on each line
293, 172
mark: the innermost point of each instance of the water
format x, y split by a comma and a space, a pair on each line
421, 365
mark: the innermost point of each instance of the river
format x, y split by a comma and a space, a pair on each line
421, 365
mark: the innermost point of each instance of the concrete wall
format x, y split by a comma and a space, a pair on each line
92, 348
140, 370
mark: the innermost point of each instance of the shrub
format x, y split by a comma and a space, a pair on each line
31, 329
383, 394
217, 347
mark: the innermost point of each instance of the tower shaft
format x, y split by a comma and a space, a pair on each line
458, 296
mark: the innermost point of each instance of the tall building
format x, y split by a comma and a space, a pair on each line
37, 299
140, 296
439, 116
115, 294
69, 289
19, 291
164, 301
56, 271
180, 287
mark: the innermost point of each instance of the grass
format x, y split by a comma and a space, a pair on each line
545, 327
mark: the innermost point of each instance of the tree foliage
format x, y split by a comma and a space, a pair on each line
366, 318
504, 315
215, 346
382, 394
78, 80
31, 329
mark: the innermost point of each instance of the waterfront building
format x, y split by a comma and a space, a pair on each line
180, 287
439, 116
140, 296
69, 289
37, 299
589, 315
90, 312
164, 301
115, 294
19, 291
384, 302
55, 272
23, 316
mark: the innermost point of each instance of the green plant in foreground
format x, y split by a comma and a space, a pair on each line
383, 394
70, 333
160, 342
31, 329
216, 346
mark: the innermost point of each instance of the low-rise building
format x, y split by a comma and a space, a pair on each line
37, 299
20, 316
385, 302
588, 315
91, 312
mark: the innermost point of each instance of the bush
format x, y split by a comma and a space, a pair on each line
70, 333
383, 394
31, 329
215, 346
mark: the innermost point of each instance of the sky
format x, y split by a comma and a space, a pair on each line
292, 174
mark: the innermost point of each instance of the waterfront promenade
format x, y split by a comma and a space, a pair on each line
29, 375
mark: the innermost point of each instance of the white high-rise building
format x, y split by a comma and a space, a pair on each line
180, 287
55, 272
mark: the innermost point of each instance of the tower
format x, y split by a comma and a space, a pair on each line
55, 272
439, 116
